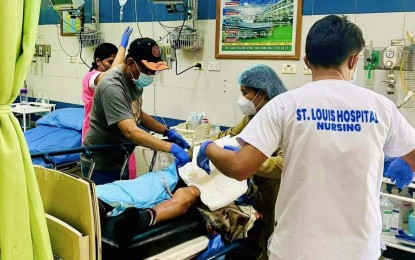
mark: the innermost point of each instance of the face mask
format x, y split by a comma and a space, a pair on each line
247, 106
143, 79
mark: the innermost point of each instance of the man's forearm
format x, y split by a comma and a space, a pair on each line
152, 124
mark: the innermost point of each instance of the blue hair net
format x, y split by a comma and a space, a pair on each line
263, 78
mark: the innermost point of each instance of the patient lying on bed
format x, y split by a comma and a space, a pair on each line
146, 200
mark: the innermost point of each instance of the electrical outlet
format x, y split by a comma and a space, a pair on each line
72, 59
40, 50
214, 66
289, 69
201, 67
306, 70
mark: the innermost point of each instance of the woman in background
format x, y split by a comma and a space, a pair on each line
106, 56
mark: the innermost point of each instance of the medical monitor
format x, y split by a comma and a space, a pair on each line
65, 5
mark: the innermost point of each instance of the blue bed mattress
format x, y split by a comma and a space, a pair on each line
58, 130
48, 138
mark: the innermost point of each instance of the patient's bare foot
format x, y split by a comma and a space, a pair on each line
131, 222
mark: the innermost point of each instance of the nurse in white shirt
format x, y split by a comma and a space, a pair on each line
334, 135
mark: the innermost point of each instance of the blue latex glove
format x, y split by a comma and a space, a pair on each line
180, 154
232, 148
202, 159
386, 162
126, 36
173, 135
400, 173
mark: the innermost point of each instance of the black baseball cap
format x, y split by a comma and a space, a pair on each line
147, 52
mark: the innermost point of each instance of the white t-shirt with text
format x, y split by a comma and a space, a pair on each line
334, 135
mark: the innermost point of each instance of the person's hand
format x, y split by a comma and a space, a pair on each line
180, 154
400, 173
126, 36
202, 159
173, 135
232, 148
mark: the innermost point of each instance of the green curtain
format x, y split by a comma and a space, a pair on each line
23, 230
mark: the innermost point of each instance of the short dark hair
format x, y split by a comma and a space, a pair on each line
331, 40
103, 51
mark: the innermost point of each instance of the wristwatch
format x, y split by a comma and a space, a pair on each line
166, 132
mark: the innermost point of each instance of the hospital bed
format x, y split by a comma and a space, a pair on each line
58, 130
181, 238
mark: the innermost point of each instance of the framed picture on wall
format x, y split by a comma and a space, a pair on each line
258, 29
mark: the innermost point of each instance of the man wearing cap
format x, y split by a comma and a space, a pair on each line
116, 114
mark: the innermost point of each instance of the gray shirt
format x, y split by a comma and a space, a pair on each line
114, 100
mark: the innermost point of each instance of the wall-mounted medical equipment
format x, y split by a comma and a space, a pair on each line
398, 60
381, 58
172, 6
188, 36
64, 5
91, 36
391, 57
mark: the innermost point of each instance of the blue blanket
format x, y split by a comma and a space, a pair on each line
145, 191
50, 138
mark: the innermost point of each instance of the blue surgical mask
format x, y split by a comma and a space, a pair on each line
143, 79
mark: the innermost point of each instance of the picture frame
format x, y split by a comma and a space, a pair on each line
258, 29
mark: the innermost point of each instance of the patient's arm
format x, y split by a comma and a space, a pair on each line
180, 203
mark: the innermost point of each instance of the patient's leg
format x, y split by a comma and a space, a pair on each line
133, 220
180, 203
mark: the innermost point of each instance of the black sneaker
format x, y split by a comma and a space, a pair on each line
130, 223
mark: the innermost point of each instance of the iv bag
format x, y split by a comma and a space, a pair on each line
122, 3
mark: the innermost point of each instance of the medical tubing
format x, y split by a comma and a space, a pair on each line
136, 18
157, 19
153, 161
406, 99
80, 49
126, 157
178, 39
60, 44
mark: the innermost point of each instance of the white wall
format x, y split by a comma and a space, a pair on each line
209, 91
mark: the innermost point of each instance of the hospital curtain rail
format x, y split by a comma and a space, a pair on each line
23, 229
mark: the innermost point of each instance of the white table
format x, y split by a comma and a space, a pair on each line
31, 108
